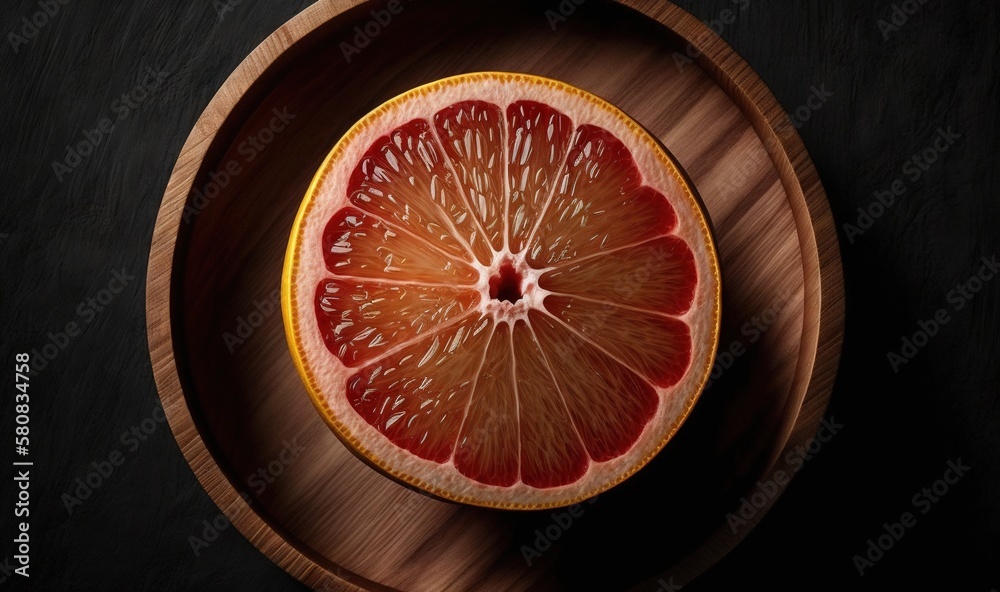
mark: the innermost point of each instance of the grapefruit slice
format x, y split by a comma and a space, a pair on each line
501, 290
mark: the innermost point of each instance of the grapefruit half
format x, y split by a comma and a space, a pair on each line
501, 290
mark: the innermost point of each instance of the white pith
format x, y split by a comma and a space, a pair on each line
531, 294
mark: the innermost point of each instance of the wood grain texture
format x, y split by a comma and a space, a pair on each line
331, 521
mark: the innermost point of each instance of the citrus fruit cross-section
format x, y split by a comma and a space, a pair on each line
501, 290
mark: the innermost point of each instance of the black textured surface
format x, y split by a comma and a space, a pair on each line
65, 234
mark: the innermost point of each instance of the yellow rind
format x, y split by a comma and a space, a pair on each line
291, 264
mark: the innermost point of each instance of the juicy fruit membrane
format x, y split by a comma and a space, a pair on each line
501, 290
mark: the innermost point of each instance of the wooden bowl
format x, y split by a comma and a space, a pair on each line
243, 419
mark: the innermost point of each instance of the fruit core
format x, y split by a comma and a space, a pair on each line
506, 283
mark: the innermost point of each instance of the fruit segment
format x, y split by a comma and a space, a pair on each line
417, 396
656, 276
608, 403
537, 141
599, 168
361, 319
472, 133
582, 222
552, 453
404, 180
656, 346
487, 448
356, 244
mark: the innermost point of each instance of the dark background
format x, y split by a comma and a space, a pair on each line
60, 241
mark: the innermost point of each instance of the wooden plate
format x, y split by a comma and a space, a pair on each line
243, 419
